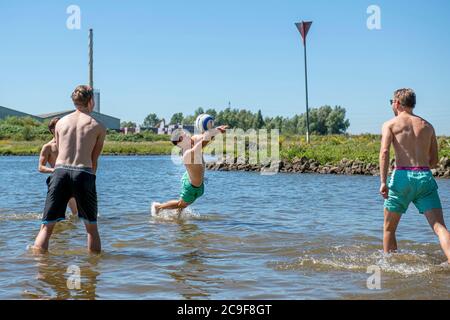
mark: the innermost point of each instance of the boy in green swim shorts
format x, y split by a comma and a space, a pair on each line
416, 152
192, 186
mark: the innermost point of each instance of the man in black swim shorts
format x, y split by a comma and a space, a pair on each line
71, 182
79, 139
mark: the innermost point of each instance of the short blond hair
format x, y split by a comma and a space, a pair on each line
406, 97
82, 95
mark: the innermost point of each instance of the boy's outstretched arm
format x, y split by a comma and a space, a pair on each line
194, 156
209, 135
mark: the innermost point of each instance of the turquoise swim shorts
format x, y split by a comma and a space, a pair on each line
418, 187
189, 193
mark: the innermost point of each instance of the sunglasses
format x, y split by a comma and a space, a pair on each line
392, 101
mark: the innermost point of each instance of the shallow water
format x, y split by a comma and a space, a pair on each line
250, 237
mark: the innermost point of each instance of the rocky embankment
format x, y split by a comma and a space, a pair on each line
304, 165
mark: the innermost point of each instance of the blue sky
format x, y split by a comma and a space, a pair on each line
175, 56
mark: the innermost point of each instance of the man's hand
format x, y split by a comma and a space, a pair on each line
384, 190
209, 135
222, 129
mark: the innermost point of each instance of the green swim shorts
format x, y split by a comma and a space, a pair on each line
189, 193
418, 187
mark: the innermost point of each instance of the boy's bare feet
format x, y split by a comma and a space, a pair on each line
155, 208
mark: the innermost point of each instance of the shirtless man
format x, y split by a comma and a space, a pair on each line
49, 153
192, 186
416, 151
79, 139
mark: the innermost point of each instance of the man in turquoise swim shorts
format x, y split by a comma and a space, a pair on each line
416, 152
192, 182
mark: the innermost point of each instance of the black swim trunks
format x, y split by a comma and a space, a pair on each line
71, 182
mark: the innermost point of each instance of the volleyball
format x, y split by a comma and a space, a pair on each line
204, 122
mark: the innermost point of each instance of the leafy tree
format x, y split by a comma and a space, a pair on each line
177, 118
128, 124
189, 120
318, 120
151, 120
336, 122
323, 120
198, 112
259, 121
212, 113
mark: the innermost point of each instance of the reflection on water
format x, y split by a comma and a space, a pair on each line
51, 281
190, 273
250, 237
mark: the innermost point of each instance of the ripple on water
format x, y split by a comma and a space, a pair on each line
415, 260
22, 216
284, 236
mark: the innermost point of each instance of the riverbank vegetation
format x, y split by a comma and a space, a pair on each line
25, 136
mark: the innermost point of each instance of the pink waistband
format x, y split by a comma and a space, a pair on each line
413, 168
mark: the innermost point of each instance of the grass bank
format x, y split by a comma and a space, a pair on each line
323, 149
28, 148
332, 149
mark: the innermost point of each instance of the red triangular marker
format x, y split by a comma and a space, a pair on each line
304, 27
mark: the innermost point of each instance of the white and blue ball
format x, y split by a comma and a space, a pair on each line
204, 123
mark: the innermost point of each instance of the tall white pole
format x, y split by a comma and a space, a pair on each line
91, 58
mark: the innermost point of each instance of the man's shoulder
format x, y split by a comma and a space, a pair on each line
47, 147
99, 126
64, 120
95, 123
424, 121
388, 124
67, 117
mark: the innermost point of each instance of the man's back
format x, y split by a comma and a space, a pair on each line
412, 140
76, 136
412, 181
50, 151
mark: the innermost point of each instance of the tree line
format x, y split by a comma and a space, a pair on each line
322, 121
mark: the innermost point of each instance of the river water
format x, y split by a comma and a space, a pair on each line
251, 236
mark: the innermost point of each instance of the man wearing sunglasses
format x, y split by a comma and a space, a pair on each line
416, 152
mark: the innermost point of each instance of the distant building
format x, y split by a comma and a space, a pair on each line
152, 129
6, 112
162, 128
109, 122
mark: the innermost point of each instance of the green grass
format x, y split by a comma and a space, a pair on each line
324, 149
8, 147
23, 148
332, 149
138, 148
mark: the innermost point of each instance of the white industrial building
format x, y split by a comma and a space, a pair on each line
109, 122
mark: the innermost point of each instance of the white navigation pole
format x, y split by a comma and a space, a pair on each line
91, 71
91, 58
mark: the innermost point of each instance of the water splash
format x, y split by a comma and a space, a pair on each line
406, 263
174, 215
28, 216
